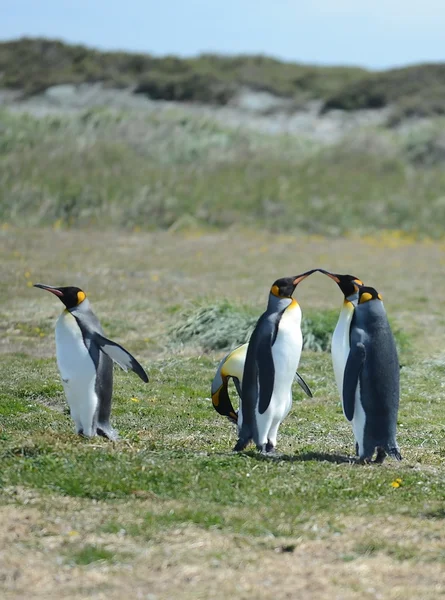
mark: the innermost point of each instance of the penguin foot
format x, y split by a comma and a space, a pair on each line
241, 445
82, 433
381, 455
105, 430
270, 448
395, 453
267, 449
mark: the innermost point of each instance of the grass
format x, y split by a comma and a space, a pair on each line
169, 509
172, 170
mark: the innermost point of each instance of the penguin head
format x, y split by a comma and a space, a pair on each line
367, 293
285, 287
70, 296
348, 284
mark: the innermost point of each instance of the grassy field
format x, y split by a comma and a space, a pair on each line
169, 511
169, 169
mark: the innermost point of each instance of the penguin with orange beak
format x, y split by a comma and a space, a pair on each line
272, 358
371, 387
85, 360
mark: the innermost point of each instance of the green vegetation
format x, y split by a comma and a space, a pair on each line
89, 554
122, 170
170, 498
223, 326
33, 65
413, 91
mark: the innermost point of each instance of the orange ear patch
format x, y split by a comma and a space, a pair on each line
365, 297
80, 297
275, 290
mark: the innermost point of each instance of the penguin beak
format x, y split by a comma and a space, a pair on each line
331, 275
299, 278
49, 288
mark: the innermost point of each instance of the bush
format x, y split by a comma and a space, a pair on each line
225, 326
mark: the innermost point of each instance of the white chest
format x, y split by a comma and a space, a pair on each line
286, 350
73, 358
341, 344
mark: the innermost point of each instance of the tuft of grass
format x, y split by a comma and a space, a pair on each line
224, 326
88, 554
215, 327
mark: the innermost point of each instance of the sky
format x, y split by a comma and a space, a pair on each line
376, 34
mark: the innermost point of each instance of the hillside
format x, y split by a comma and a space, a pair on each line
33, 65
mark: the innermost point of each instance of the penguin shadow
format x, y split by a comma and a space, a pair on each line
305, 457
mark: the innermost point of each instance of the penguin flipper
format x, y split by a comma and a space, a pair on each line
354, 365
266, 373
304, 386
120, 356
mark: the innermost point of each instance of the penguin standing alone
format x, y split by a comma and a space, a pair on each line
371, 379
272, 358
85, 360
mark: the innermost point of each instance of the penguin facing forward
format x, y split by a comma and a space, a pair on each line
272, 358
85, 361
348, 284
232, 366
371, 379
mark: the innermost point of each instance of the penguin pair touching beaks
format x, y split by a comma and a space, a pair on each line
364, 359
85, 361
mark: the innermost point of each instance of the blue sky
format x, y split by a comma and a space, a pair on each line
375, 34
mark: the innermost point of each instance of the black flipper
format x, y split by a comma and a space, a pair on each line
266, 373
304, 386
120, 356
255, 392
354, 365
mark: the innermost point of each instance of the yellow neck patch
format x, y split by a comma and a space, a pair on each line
366, 297
80, 297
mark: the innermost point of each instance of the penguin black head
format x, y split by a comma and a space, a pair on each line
347, 283
285, 287
70, 296
366, 293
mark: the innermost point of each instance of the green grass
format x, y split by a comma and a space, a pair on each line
170, 499
120, 170
180, 450
89, 554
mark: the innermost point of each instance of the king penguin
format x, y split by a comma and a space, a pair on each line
232, 366
371, 379
348, 284
272, 357
85, 361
